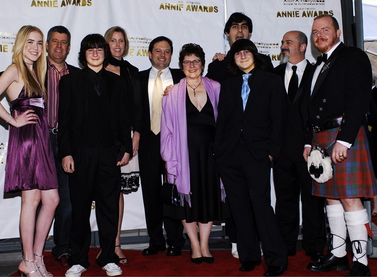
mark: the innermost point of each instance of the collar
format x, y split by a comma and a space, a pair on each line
300, 66
332, 50
115, 62
51, 65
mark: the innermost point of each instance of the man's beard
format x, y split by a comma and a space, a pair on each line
284, 58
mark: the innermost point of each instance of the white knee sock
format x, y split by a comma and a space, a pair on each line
358, 233
338, 229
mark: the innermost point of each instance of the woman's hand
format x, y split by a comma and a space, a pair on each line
167, 90
25, 118
135, 143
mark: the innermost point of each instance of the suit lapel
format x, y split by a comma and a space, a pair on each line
237, 87
305, 78
254, 87
326, 69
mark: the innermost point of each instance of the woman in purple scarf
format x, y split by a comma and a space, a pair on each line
187, 134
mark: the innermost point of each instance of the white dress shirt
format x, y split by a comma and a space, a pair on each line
167, 80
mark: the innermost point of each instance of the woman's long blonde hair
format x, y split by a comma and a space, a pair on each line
31, 84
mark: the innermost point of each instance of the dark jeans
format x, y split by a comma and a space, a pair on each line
63, 213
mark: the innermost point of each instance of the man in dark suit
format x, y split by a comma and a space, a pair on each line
151, 164
94, 141
339, 100
291, 177
249, 132
58, 45
238, 26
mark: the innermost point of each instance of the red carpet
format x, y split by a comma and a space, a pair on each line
161, 265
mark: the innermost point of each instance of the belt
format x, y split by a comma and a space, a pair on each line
53, 130
334, 123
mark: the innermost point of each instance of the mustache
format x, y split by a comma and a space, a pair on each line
320, 39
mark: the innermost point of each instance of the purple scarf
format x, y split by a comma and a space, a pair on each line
174, 145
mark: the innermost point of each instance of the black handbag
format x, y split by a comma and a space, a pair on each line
169, 193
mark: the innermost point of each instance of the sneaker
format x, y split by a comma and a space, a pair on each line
75, 271
112, 269
234, 250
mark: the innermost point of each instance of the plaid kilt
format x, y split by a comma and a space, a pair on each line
354, 177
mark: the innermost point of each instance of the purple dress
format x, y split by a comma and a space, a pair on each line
30, 162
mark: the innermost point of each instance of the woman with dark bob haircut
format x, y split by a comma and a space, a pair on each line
249, 133
189, 114
192, 49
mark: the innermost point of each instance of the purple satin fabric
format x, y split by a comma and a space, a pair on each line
30, 162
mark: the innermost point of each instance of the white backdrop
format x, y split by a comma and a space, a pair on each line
198, 21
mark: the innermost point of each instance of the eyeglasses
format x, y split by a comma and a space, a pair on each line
194, 62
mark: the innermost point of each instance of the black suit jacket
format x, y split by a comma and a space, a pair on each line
218, 70
75, 89
177, 75
296, 124
262, 122
342, 89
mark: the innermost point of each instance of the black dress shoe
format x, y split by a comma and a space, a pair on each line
208, 260
153, 250
316, 256
249, 266
330, 263
274, 270
173, 251
197, 260
358, 269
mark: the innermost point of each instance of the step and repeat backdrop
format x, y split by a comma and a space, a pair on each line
196, 21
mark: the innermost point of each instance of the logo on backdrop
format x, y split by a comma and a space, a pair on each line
188, 6
7, 42
303, 8
138, 46
60, 3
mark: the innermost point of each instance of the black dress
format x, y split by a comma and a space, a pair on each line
205, 185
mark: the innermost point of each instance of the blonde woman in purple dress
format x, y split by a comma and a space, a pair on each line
30, 165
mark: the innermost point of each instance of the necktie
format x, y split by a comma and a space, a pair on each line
293, 84
245, 89
157, 104
322, 58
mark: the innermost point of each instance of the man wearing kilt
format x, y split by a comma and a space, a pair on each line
338, 101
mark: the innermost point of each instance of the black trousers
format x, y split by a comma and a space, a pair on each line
96, 178
247, 185
63, 212
151, 169
292, 180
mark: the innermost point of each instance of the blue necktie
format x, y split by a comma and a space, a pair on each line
245, 89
